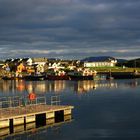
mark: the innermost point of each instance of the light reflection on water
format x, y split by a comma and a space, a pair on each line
103, 109
40, 87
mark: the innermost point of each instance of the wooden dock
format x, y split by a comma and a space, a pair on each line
10, 117
31, 128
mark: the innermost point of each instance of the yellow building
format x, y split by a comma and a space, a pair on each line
20, 68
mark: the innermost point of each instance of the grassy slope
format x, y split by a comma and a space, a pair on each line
115, 69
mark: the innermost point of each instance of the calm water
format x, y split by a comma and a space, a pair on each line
103, 109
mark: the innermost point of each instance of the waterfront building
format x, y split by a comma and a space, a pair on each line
55, 66
108, 62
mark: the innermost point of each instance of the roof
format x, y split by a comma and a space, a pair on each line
40, 59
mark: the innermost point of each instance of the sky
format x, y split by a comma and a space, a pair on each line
69, 29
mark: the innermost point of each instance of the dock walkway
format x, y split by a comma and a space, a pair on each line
10, 117
9, 113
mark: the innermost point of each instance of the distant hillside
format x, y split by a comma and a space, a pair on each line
130, 63
98, 59
133, 63
121, 60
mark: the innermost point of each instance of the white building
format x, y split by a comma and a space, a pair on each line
110, 63
55, 66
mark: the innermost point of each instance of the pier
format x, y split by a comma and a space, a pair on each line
33, 113
36, 112
31, 129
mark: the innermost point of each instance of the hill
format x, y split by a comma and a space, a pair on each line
98, 59
130, 63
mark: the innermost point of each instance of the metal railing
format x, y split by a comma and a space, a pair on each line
55, 100
19, 101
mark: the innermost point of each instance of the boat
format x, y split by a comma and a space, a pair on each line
57, 75
36, 77
12, 77
84, 74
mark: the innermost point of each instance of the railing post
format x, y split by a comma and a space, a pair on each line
10, 102
0, 104
55, 100
45, 101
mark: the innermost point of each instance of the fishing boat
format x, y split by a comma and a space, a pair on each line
57, 75
83, 74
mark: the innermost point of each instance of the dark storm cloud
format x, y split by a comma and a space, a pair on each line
69, 28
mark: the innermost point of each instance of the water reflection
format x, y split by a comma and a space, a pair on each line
111, 108
20, 86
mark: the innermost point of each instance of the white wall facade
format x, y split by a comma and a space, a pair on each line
99, 64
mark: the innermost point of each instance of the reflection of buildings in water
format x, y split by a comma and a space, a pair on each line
108, 84
20, 85
17, 86
30, 131
84, 86
4, 86
36, 86
46, 86
55, 86
7, 86
29, 87
52, 86
116, 84
59, 85
13, 86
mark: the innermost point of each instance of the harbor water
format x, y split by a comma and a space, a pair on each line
103, 109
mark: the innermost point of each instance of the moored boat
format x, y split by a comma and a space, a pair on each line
34, 77
12, 77
80, 77
83, 74
57, 75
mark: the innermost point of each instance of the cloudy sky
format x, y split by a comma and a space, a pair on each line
69, 28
